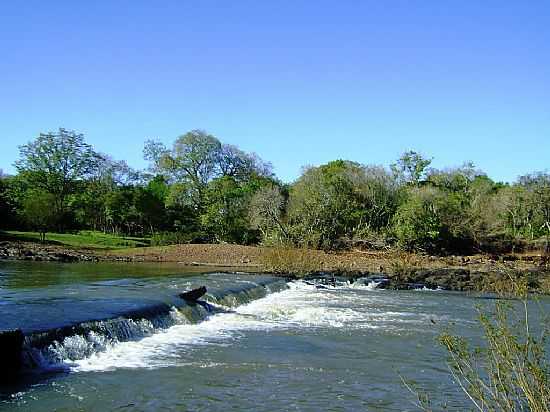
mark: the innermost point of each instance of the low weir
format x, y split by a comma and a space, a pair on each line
113, 337
68, 334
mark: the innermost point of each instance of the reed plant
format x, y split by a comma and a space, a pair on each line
291, 260
404, 263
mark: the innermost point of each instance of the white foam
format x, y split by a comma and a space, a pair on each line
299, 306
371, 285
426, 289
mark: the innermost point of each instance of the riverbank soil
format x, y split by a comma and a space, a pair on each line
405, 270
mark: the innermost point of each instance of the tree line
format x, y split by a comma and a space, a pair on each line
203, 190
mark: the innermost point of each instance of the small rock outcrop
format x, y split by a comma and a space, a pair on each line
193, 295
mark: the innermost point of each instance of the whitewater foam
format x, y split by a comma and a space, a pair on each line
300, 306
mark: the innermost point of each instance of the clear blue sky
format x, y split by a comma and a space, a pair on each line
298, 82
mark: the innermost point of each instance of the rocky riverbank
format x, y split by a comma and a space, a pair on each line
450, 279
11, 250
397, 270
464, 279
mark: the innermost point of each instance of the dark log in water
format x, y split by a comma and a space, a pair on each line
193, 295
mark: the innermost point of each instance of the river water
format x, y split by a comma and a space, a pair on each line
261, 344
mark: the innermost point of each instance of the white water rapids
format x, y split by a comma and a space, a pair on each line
298, 307
268, 345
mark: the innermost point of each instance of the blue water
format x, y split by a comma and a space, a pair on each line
262, 348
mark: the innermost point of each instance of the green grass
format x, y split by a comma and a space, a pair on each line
83, 239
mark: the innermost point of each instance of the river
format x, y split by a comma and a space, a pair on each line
123, 340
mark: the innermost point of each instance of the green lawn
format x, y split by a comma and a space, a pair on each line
83, 238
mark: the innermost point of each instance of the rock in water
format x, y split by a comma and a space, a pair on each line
193, 295
11, 345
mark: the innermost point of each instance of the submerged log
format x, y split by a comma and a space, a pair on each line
193, 295
11, 346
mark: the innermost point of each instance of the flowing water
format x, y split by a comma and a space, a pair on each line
117, 337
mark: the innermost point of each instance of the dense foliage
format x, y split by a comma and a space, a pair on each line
203, 190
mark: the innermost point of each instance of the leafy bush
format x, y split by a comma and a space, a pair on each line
338, 200
433, 220
417, 224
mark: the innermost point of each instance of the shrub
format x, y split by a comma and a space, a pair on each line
433, 220
417, 224
511, 371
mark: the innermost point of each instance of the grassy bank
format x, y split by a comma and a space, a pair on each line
82, 239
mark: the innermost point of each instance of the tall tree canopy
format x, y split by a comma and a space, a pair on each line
324, 203
55, 162
196, 158
202, 190
411, 167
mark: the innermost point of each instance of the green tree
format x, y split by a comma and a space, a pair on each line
192, 162
121, 214
465, 189
150, 204
195, 159
89, 200
538, 186
324, 204
433, 219
54, 162
458, 180
37, 211
339, 202
379, 197
209, 184
9, 203
515, 216
485, 210
267, 214
227, 214
417, 223
242, 166
411, 167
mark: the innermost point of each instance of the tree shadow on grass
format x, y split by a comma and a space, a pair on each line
5, 236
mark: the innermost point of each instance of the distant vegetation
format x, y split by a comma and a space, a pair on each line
203, 190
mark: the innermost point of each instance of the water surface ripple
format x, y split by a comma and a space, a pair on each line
294, 348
